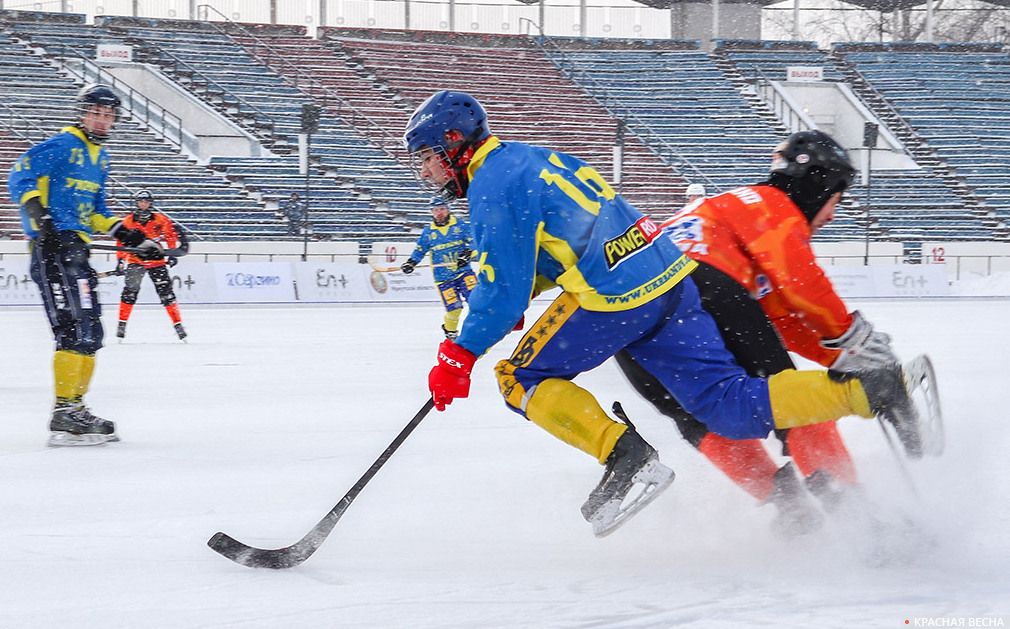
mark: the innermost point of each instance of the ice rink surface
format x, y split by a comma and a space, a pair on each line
262, 422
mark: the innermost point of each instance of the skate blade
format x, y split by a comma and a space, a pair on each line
66, 439
654, 478
920, 379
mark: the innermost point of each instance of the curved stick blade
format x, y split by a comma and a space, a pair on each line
240, 553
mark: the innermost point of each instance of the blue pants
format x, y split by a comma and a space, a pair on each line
671, 337
69, 286
457, 290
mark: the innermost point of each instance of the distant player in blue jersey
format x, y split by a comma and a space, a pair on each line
448, 239
542, 219
60, 186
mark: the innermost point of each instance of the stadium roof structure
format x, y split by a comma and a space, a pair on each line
886, 6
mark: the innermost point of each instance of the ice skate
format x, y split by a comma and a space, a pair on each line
121, 330
632, 462
797, 513
181, 332
75, 425
891, 392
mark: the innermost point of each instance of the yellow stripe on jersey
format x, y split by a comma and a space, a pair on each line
572, 281
532, 342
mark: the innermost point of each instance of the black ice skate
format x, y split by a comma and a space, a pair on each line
121, 330
798, 515
181, 331
450, 334
75, 425
891, 393
632, 462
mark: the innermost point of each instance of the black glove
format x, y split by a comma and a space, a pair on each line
463, 261
120, 267
172, 260
408, 267
46, 237
150, 250
127, 236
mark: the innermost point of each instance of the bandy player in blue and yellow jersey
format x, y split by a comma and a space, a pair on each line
448, 239
542, 219
60, 186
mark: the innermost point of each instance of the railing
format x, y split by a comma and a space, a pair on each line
176, 64
155, 117
343, 108
601, 94
782, 105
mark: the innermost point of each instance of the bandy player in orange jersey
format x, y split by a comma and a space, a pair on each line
159, 228
759, 279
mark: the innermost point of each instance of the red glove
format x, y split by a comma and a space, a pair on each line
520, 325
450, 377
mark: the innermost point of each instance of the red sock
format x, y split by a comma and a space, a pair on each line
745, 461
173, 313
124, 311
820, 447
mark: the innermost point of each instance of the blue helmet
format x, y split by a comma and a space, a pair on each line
432, 125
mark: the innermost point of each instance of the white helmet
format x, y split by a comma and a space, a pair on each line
695, 190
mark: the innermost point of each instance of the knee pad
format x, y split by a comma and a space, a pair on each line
129, 296
513, 392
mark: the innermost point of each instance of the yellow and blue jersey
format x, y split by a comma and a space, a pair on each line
446, 243
67, 173
544, 216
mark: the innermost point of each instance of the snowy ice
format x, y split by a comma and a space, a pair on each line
262, 422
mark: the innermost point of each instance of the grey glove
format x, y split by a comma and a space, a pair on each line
862, 347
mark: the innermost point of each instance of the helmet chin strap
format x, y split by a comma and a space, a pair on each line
93, 137
459, 181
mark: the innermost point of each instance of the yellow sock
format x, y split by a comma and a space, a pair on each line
86, 372
573, 415
68, 370
801, 398
451, 320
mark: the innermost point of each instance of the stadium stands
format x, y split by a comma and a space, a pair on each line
908, 204
956, 98
684, 115
195, 197
527, 98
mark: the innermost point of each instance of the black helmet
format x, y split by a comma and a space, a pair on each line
810, 166
92, 95
143, 195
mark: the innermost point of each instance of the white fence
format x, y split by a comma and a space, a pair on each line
238, 278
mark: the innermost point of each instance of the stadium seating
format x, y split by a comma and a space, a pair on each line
904, 204
45, 99
527, 97
956, 97
687, 113
187, 49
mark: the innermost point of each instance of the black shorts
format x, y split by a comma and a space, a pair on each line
69, 286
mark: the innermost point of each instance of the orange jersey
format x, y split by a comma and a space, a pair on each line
159, 229
758, 236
